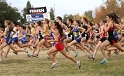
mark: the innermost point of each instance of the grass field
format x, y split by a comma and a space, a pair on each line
21, 65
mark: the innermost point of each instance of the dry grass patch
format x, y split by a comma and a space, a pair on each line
21, 65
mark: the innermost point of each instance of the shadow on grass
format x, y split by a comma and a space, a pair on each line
18, 61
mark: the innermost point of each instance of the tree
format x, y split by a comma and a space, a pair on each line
99, 15
25, 10
89, 15
110, 6
70, 16
8, 13
77, 17
52, 15
122, 8
66, 16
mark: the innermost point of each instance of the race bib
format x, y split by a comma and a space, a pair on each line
75, 34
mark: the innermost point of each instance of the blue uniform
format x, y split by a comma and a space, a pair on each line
8, 38
15, 36
116, 36
51, 34
76, 35
24, 38
15, 39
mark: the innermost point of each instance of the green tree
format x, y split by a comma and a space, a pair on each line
70, 16
89, 14
66, 16
8, 13
25, 10
52, 14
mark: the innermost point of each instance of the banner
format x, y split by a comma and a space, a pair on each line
34, 17
37, 14
37, 17
46, 15
28, 18
38, 10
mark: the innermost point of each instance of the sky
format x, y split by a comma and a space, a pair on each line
61, 6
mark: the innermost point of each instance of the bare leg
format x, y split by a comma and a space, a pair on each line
68, 56
105, 43
77, 45
22, 45
63, 52
81, 44
96, 49
39, 44
117, 45
1, 47
17, 50
50, 53
54, 56
8, 49
35, 44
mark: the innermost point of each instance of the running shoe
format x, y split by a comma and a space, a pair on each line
29, 55
91, 57
53, 65
107, 57
76, 54
15, 52
67, 52
26, 51
104, 61
4, 53
79, 64
25, 48
48, 57
35, 55
85, 52
89, 46
1, 60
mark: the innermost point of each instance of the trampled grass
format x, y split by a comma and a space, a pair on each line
21, 65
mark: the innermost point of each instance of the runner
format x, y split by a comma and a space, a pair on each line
111, 19
8, 33
58, 33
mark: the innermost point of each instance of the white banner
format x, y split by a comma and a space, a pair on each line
37, 17
28, 18
46, 15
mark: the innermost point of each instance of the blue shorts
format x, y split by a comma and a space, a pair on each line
15, 39
53, 44
116, 36
8, 41
78, 39
24, 40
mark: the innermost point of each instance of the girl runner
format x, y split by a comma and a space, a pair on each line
76, 31
102, 33
58, 33
70, 36
8, 33
111, 19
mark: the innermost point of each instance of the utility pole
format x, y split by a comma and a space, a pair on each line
54, 10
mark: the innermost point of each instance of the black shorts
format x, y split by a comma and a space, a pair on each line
40, 38
71, 36
85, 35
98, 37
103, 39
112, 39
